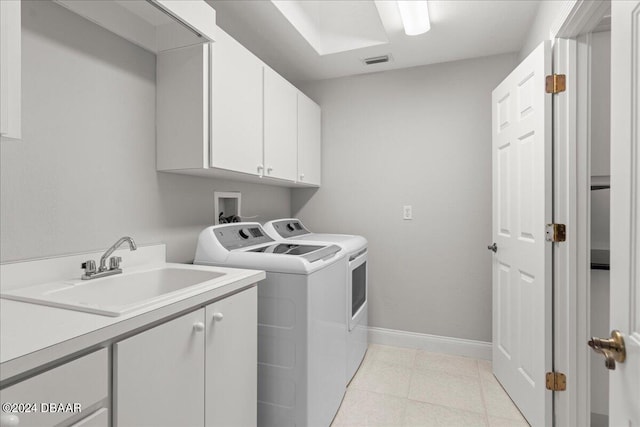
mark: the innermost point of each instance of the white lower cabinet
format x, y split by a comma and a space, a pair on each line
232, 361
75, 391
99, 418
196, 370
159, 375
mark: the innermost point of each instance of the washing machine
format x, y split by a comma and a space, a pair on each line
301, 323
357, 282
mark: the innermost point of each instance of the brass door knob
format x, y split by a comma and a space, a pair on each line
612, 349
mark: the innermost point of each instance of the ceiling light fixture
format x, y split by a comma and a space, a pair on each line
415, 16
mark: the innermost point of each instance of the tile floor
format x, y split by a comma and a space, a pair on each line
406, 387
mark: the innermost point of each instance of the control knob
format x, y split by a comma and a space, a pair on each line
290, 226
244, 233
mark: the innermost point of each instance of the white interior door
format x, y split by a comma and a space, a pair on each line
522, 197
624, 381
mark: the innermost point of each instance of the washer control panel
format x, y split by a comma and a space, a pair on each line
241, 235
290, 228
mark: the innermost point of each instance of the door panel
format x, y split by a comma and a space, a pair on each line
280, 127
172, 353
522, 264
231, 361
236, 107
624, 381
309, 140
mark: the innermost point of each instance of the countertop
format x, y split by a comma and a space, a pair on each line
34, 337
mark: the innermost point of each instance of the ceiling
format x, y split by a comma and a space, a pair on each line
460, 29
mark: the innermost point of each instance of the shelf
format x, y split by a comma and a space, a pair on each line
600, 182
154, 25
600, 259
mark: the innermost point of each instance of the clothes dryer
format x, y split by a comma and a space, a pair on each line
357, 282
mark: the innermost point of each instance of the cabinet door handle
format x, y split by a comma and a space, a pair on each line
7, 420
218, 316
269, 170
260, 170
301, 177
198, 326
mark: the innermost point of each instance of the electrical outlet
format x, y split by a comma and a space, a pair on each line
407, 212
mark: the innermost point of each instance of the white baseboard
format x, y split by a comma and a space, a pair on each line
434, 343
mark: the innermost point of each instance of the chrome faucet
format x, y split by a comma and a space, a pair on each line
90, 271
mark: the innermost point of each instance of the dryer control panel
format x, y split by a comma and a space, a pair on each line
289, 228
241, 235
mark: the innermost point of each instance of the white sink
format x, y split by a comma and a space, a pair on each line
115, 295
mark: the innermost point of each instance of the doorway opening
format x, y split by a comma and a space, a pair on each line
598, 43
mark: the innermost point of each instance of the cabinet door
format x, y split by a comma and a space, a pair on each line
232, 362
309, 141
280, 126
159, 375
182, 108
237, 107
83, 382
10, 66
100, 418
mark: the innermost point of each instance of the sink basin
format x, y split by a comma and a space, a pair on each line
114, 295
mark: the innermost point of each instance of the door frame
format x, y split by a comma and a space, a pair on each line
572, 147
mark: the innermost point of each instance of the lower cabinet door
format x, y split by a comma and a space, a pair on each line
100, 418
159, 375
232, 362
54, 397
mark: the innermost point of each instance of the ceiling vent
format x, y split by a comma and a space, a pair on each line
377, 59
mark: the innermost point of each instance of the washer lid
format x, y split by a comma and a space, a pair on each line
310, 252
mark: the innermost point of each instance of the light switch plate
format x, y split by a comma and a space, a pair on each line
407, 212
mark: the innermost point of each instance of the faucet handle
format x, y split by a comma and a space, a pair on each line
89, 266
114, 262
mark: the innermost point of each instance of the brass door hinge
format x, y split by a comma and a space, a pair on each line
556, 83
556, 381
555, 233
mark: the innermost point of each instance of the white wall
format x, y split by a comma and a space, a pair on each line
420, 137
84, 173
546, 18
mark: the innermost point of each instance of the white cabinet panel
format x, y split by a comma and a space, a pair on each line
309, 141
237, 107
159, 375
232, 361
182, 91
280, 126
100, 418
84, 381
10, 69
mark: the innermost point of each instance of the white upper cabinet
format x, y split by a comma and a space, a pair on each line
236, 99
221, 112
10, 69
155, 25
280, 127
309, 141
